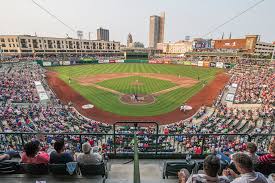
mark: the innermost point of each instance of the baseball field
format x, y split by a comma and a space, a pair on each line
105, 85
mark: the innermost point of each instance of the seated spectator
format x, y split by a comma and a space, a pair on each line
51, 147
271, 177
8, 155
269, 158
211, 167
88, 157
33, 155
244, 165
251, 152
59, 156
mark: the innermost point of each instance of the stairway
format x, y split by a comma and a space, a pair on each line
150, 172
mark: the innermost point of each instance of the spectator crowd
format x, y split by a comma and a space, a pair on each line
21, 111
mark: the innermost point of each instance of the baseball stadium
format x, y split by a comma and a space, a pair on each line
160, 108
79, 109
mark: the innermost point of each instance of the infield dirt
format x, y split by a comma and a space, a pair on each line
184, 81
204, 97
94, 79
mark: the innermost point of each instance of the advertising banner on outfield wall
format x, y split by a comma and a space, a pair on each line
152, 61
66, 63
88, 59
200, 63
101, 61
195, 63
47, 64
112, 61
166, 62
206, 64
55, 63
159, 62
187, 63
119, 61
212, 64
219, 65
175, 62
105, 61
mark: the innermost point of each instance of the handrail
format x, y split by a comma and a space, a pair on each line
127, 134
135, 123
136, 161
155, 148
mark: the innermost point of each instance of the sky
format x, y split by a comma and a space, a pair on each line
183, 17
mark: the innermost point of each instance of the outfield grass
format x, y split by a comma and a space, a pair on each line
148, 85
110, 102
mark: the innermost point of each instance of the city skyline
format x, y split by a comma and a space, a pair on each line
184, 18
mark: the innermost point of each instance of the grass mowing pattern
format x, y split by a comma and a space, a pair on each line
125, 85
110, 102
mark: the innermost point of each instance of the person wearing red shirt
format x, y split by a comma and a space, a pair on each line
197, 150
33, 155
92, 142
166, 131
269, 158
145, 145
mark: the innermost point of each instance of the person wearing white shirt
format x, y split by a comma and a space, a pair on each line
89, 156
244, 165
211, 167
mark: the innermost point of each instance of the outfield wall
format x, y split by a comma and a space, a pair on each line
160, 61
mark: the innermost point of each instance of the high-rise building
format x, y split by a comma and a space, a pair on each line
161, 27
129, 40
103, 34
156, 32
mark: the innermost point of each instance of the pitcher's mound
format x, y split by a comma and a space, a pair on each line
137, 83
139, 99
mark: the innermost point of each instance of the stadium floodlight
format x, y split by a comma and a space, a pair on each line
80, 35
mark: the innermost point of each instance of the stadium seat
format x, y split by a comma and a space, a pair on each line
35, 169
100, 169
8, 167
60, 169
171, 168
265, 169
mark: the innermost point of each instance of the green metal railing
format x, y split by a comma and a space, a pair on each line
136, 161
120, 145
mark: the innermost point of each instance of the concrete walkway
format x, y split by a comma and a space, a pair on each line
150, 172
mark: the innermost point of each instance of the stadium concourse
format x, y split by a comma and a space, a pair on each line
22, 111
